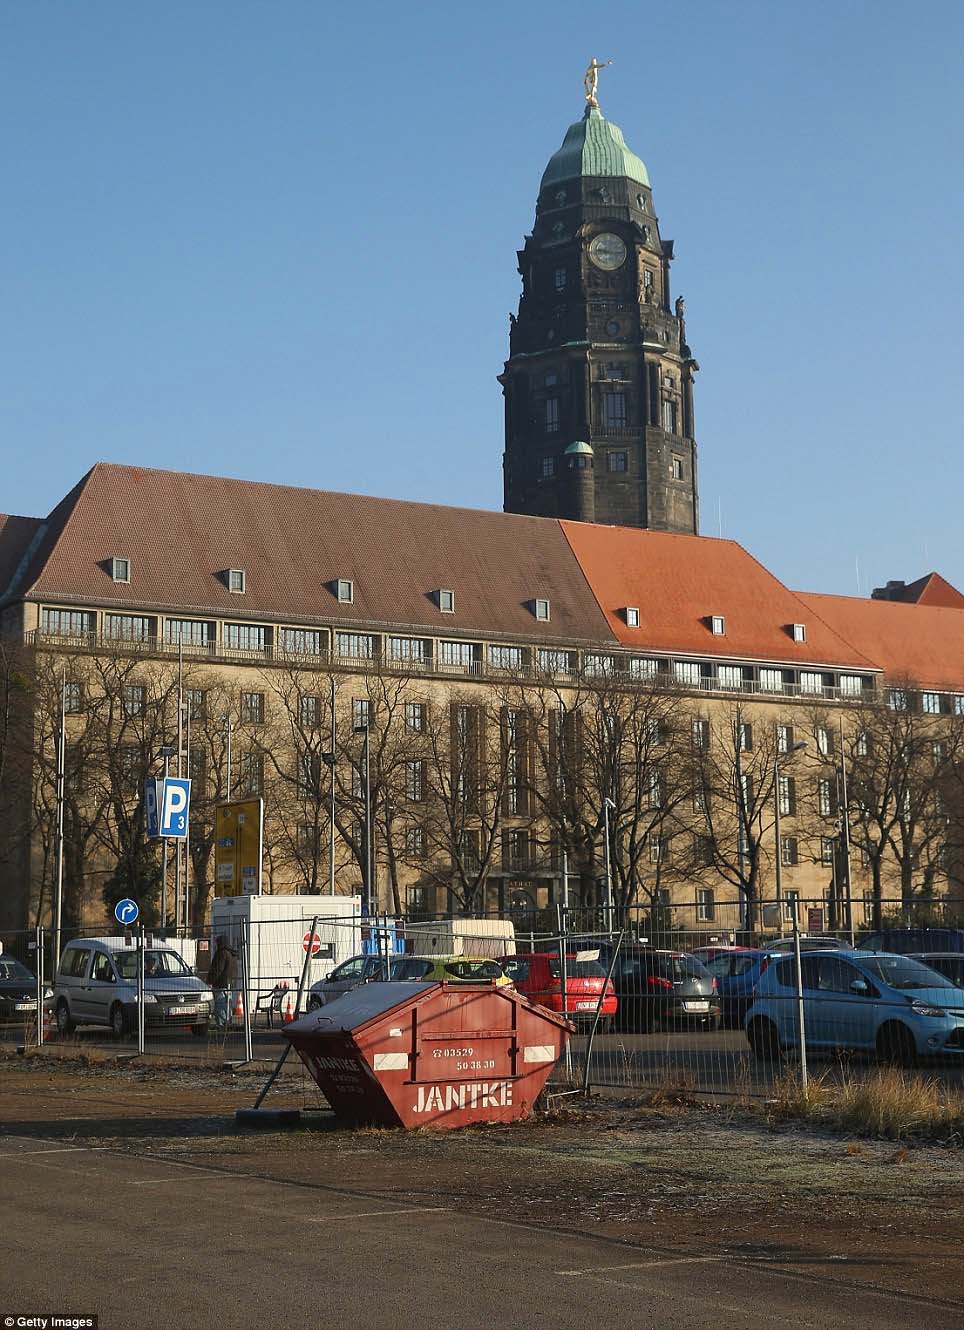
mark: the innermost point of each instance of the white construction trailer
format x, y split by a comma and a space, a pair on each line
276, 935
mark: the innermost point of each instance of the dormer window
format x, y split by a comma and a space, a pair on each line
717, 625
120, 570
631, 615
540, 608
798, 631
446, 600
235, 581
345, 591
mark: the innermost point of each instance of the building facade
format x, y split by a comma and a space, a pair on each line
511, 673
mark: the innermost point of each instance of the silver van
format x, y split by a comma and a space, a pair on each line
97, 985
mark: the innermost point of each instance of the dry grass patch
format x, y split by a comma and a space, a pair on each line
892, 1104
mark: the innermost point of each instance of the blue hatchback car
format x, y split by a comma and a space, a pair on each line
887, 1004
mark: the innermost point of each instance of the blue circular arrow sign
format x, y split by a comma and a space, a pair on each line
126, 911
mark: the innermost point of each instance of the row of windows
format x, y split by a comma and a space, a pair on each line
615, 414
472, 656
617, 462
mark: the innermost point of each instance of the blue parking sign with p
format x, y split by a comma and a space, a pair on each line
175, 806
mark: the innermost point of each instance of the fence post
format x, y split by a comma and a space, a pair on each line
39, 948
140, 988
586, 1085
562, 917
799, 973
245, 973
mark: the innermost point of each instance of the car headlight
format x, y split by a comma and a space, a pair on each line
48, 992
148, 997
925, 1009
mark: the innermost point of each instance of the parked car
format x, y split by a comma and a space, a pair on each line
538, 976
809, 942
453, 969
737, 972
96, 984
876, 1001
948, 963
18, 991
343, 978
657, 987
911, 941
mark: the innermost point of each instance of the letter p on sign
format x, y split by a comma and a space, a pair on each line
177, 803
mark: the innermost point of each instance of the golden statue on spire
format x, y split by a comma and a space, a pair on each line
591, 81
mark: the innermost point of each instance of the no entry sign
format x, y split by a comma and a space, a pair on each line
311, 942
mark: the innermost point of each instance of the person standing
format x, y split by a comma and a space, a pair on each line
221, 977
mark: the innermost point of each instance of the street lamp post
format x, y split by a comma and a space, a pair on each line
794, 748
608, 807
363, 729
167, 751
229, 731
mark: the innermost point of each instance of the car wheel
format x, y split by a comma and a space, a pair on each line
895, 1044
764, 1040
118, 1021
64, 1024
315, 1004
200, 1030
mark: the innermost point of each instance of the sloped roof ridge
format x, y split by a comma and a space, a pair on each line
53, 532
804, 606
311, 489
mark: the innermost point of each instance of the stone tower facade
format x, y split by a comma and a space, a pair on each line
598, 353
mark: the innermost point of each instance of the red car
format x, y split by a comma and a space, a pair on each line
538, 976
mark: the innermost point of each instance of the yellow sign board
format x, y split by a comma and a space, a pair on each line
238, 847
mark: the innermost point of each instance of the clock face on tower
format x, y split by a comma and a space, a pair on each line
607, 251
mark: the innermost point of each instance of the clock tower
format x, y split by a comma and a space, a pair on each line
599, 382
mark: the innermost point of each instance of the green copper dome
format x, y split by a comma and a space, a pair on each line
578, 449
593, 146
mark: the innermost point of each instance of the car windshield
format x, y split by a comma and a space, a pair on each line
902, 972
731, 964
157, 964
678, 967
11, 969
463, 969
411, 968
576, 969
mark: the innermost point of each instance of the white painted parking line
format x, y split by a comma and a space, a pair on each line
377, 1214
645, 1265
194, 1176
60, 1150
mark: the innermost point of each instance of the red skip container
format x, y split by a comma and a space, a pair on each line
430, 1055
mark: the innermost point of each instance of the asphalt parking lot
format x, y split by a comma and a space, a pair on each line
130, 1193
153, 1242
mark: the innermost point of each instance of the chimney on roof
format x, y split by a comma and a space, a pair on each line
892, 591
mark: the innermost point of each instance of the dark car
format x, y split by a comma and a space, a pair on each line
948, 963
18, 991
913, 941
656, 987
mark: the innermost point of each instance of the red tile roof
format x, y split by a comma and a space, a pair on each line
679, 581
181, 531
933, 590
16, 534
922, 643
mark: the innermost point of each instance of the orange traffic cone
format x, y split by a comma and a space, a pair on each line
288, 1013
46, 1026
238, 1012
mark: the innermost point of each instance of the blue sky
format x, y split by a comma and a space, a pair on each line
276, 239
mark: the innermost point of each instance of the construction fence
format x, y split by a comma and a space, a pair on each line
717, 1011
